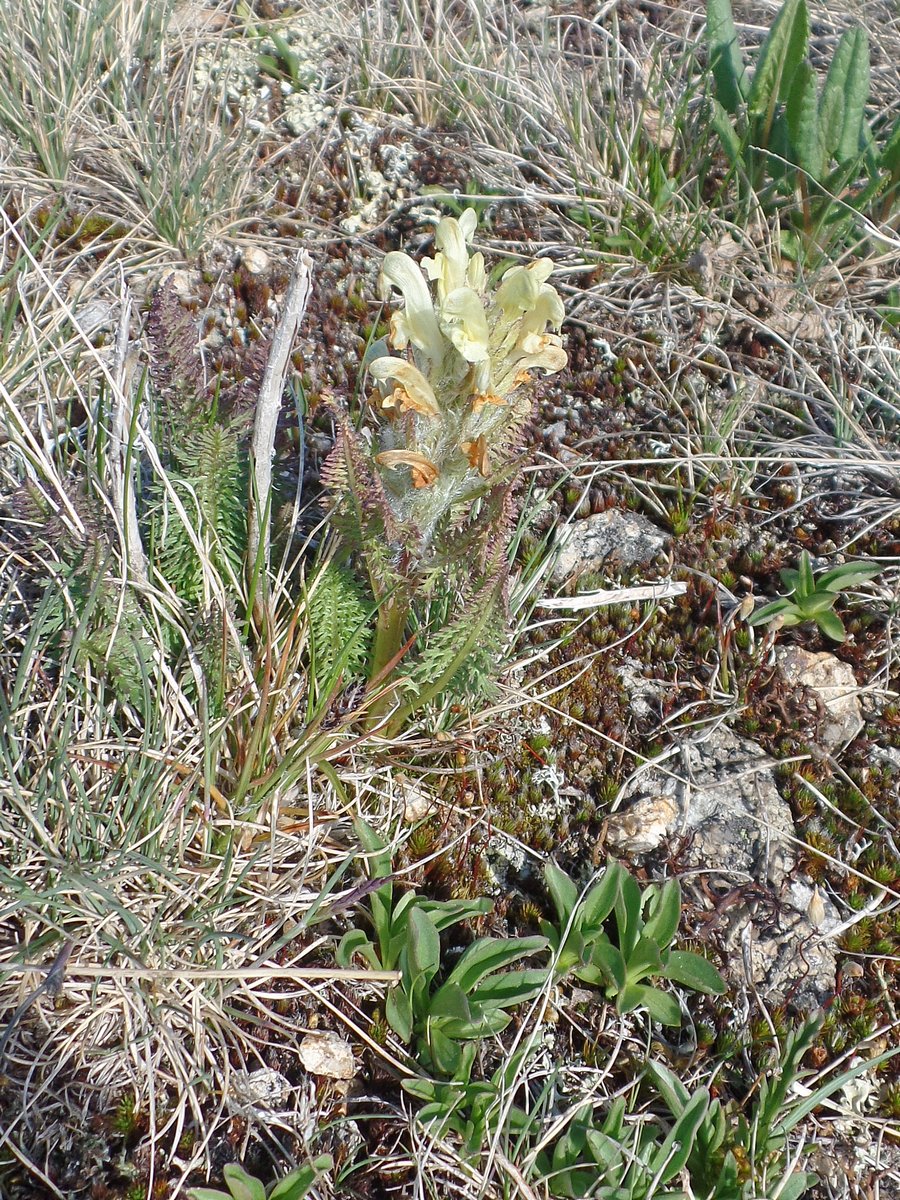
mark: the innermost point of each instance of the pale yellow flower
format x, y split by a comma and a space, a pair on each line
422, 469
414, 392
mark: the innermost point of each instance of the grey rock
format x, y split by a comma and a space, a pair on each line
833, 685
719, 795
608, 540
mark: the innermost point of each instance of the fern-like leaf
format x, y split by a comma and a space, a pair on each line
339, 624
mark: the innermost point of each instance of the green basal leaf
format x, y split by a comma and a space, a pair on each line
660, 1005
768, 612
563, 891
628, 914
694, 971
449, 1001
424, 949
725, 59
203, 1193
805, 582
489, 955
797, 1112
674, 1093
241, 1185
802, 115
847, 575
732, 145
445, 913
817, 602
296, 1185
398, 1013
601, 899
790, 578
799, 1185
355, 941
675, 1150
783, 51
856, 94
662, 923
609, 960
445, 1053
645, 959
510, 987
831, 625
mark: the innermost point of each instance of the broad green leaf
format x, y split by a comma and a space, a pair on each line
398, 1012
645, 959
445, 1053
203, 1193
728, 68
488, 955
802, 115
783, 51
445, 913
818, 602
833, 101
628, 913
356, 941
670, 1087
241, 1185
790, 578
563, 892
449, 1001
427, 1090
662, 924
601, 899
610, 961
296, 1185
799, 1185
424, 950
847, 575
727, 134
856, 94
694, 971
676, 1149
660, 1005
805, 583
482, 1023
768, 612
510, 987
832, 626
378, 856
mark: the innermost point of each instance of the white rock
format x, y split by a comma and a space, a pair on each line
834, 685
263, 1088
255, 260
644, 827
327, 1054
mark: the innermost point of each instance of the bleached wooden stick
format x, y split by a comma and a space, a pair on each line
267, 408
121, 461
649, 591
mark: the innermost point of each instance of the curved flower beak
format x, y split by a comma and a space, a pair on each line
423, 470
450, 266
477, 454
414, 393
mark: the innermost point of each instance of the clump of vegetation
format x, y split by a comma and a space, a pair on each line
812, 597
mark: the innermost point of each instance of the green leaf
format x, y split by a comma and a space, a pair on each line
856, 93
203, 1193
725, 59
796, 1112
732, 145
488, 955
674, 1093
296, 1185
662, 924
802, 115
645, 959
398, 1013
847, 575
628, 914
660, 1005
445, 1053
676, 1149
818, 602
831, 625
694, 971
783, 51
790, 578
563, 892
799, 1184
610, 962
445, 913
241, 1185
510, 987
356, 941
601, 899
424, 949
805, 582
769, 612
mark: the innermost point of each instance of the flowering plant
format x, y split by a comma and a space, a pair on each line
430, 497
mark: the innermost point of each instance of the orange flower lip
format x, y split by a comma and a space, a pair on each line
424, 472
